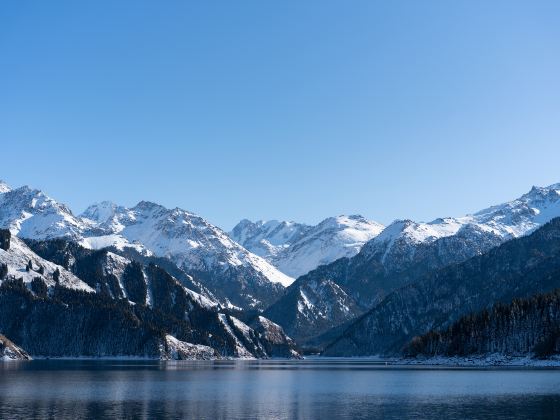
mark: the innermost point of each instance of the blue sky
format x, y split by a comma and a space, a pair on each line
290, 110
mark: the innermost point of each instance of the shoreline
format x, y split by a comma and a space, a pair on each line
482, 361
490, 360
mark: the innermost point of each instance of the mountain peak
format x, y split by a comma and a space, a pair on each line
100, 212
552, 191
148, 205
4, 187
296, 248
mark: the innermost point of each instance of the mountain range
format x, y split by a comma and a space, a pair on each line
346, 286
296, 248
236, 276
332, 295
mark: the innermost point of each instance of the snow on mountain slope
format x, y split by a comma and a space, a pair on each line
188, 240
296, 249
406, 251
4, 187
505, 221
30, 213
18, 256
9, 351
124, 298
267, 238
185, 238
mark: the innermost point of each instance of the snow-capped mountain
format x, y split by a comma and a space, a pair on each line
268, 238
22, 263
30, 213
4, 187
407, 250
233, 274
320, 305
295, 249
516, 269
60, 299
230, 271
400, 241
185, 238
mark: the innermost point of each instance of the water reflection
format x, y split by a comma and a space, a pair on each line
272, 389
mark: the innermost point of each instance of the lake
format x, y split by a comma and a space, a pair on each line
276, 389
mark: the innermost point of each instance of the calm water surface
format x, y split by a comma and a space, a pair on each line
310, 389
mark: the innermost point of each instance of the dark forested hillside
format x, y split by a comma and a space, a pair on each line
525, 326
124, 308
357, 284
518, 268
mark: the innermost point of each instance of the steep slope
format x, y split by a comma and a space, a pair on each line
311, 307
9, 351
405, 251
518, 268
18, 261
4, 187
295, 249
276, 341
96, 303
233, 274
30, 213
524, 327
267, 238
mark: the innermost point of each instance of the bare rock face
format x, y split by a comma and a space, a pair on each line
174, 349
277, 343
9, 351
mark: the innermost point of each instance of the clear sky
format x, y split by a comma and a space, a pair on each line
282, 109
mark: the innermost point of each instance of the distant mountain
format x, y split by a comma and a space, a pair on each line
231, 272
30, 213
59, 299
524, 327
234, 275
267, 239
519, 268
4, 187
295, 249
401, 254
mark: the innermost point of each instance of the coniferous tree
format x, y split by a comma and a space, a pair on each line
3, 271
56, 275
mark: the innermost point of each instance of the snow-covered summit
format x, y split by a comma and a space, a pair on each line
296, 248
186, 239
30, 213
4, 187
101, 212
501, 222
267, 238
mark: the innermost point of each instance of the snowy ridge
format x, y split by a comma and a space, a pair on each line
505, 221
32, 214
185, 238
4, 187
18, 256
405, 250
267, 238
150, 229
296, 249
